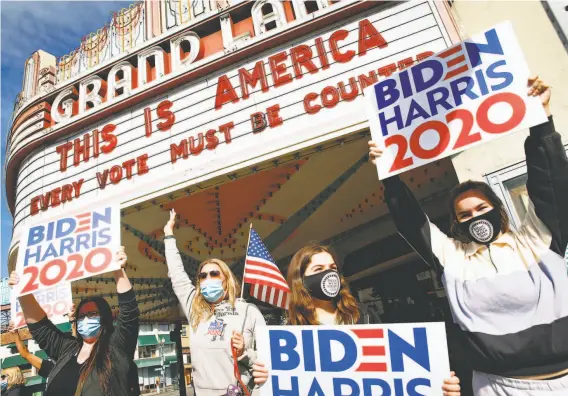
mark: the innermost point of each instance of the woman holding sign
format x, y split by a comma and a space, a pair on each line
320, 295
508, 289
222, 326
97, 362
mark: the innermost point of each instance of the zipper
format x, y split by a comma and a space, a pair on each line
491, 258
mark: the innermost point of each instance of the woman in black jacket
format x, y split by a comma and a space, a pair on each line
508, 289
97, 362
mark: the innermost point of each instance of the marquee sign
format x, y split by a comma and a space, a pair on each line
285, 99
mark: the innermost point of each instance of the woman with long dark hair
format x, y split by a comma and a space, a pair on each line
507, 289
320, 295
97, 362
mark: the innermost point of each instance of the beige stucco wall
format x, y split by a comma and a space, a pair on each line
545, 55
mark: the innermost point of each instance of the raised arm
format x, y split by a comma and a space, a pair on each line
182, 285
33, 312
23, 349
125, 335
547, 169
431, 244
44, 332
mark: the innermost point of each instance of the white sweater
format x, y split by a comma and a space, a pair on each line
210, 343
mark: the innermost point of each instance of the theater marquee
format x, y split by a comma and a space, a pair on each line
298, 94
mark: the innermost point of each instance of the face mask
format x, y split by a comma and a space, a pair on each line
89, 327
212, 290
484, 228
323, 285
3, 385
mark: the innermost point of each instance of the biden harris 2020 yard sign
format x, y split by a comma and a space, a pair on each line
469, 94
397, 359
68, 248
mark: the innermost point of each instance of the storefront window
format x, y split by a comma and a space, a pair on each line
517, 189
510, 185
163, 327
147, 351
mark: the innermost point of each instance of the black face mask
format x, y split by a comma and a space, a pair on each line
484, 228
323, 285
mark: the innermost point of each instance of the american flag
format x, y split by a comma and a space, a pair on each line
266, 280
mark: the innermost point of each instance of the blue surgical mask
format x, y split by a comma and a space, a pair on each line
212, 290
3, 385
89, 327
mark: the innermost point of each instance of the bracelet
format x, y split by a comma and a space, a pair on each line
169, 237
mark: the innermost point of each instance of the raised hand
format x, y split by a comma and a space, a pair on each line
374, 152
121, 257
538, 88
14, 279
169, 227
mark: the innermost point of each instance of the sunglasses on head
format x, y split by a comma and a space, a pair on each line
90, 315
3, 376
215, 274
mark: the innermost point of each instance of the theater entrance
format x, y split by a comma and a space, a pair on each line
328, 193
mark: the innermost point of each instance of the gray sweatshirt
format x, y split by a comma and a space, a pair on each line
210, 343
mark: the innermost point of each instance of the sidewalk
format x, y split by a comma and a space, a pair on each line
171, 393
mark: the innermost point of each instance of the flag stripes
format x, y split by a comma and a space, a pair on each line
264, 276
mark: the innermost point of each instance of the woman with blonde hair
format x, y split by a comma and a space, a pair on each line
13, 382
222, 326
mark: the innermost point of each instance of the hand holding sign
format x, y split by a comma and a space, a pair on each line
121, 257
538, 88
451, 386
259, 373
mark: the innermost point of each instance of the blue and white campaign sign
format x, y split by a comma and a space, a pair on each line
469, 94
68, 248
387, 359
56, 302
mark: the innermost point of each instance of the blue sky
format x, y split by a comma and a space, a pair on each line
26, 26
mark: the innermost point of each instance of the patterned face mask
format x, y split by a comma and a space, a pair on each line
484, 228
324, 285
